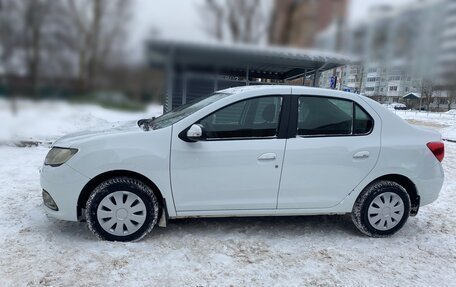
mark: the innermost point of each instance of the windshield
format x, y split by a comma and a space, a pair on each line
185, 110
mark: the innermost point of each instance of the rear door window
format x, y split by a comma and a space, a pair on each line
324, 116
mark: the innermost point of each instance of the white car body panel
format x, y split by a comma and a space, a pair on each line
404, 152
234, 176
321, 171
65, 185
226, 174
225, 178
134, 150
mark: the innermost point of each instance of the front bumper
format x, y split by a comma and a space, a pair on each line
64, 184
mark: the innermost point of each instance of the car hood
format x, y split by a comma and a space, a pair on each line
72, 139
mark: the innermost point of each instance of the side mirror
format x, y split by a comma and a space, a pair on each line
195, 133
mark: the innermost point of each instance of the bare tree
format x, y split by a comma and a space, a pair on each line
6, 28
240, 21
34, 14
51, 43
450, 86
26, 31
32, 40
451, 98
23, 37
99, 29
427, 90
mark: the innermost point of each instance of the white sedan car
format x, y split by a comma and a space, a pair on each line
250, 151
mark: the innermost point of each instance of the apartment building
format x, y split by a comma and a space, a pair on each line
397, 48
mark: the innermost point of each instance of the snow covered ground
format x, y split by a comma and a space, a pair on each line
49, 120
288, 251
444, 122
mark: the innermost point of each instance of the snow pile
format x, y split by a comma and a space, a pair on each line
49, 120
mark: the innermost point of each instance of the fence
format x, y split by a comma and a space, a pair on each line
426, 114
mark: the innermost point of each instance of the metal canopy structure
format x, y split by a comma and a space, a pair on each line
198, 69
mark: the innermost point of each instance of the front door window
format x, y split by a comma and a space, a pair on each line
253, 118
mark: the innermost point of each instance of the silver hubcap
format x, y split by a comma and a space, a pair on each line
385, 211
121, 213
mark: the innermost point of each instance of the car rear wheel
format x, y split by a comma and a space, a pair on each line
381, 209
122, 209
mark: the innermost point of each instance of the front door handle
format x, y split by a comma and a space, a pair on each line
361, 154
267, 156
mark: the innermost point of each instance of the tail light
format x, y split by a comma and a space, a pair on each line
438, 149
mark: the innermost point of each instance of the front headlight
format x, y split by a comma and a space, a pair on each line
58, 156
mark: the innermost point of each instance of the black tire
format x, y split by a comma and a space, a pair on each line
138, 188
360, 209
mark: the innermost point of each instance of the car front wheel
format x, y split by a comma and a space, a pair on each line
122, 209
381, 209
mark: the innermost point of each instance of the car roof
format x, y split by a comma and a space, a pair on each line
295, 90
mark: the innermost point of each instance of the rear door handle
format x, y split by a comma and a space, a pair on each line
267, 156
361, 154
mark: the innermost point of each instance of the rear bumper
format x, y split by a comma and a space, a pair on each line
64, 185
430, 183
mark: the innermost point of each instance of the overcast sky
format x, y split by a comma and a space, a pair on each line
180, 19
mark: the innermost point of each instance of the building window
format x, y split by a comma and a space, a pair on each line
395, 78
406, 89
372, 70
393, 88
373, 79
369, 89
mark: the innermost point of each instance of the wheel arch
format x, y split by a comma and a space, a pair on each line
409, 186
94, 182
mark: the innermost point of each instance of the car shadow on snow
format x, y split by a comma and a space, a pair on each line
318, 226
283, 226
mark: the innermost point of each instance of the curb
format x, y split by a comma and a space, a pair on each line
27, 143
